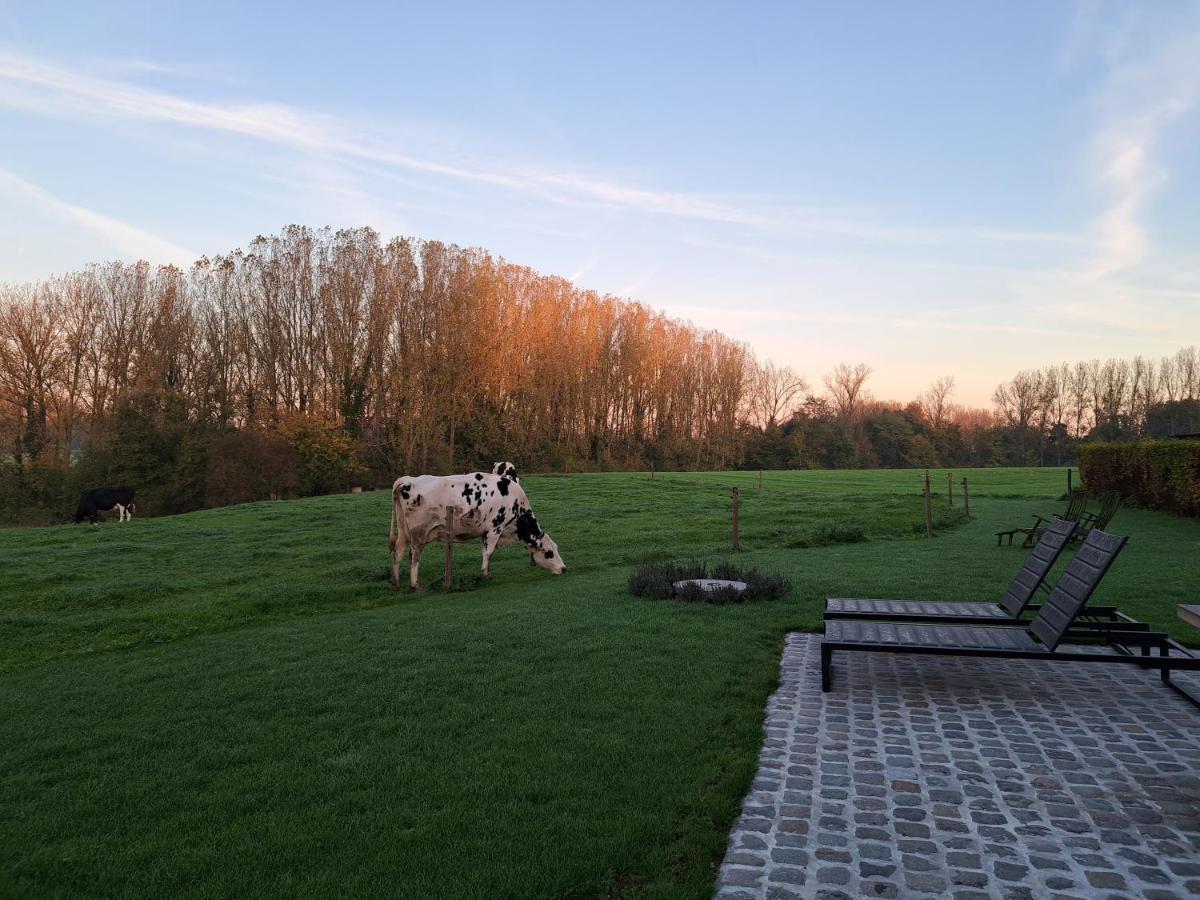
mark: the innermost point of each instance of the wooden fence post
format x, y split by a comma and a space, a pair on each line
448, 537
1069, 490
950, 487
928, 508
737, 544
760, 479
966, 499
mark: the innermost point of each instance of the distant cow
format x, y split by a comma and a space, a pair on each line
97, 500
490, 507
505, 470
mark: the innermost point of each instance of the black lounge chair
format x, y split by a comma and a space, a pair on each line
1039, 639
1008, 610
1110, 502
1018, 596
1076, 506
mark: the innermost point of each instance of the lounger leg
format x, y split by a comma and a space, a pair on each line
826, 667
1165, 673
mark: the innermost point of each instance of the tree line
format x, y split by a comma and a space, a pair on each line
1053, 410
1040, 417
316, 359
331, 356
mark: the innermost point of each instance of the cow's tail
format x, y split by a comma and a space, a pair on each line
392, 530
399, 521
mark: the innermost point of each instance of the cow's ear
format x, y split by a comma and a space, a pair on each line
527, 528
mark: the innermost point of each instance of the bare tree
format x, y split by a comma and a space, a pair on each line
1018, 402
845, 385
1187, 369
936, 400
1079, 392
773, 393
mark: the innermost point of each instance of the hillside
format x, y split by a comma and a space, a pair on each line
236, 702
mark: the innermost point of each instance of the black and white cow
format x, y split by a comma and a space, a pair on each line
490, 507
97, 500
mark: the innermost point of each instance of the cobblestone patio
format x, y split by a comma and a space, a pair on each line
935, 776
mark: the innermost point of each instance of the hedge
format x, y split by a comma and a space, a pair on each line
1155, 474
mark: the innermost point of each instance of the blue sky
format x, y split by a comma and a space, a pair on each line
932, 188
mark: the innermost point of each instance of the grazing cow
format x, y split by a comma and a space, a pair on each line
505, 469
490, 507
97, 500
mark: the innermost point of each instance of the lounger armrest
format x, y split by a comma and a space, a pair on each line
1141, 638
1112, 612
1109, 626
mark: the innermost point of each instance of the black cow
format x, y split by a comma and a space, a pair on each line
97, 500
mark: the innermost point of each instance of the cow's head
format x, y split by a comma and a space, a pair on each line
505, 470
542, 549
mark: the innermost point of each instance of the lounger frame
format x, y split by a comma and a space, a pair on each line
1011, 608
1120, 641
1057, 619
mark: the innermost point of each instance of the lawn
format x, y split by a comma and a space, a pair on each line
235, 703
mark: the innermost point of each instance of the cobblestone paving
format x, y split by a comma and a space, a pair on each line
935, 776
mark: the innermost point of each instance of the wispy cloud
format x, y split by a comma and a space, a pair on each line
729, 318
632, 288
45, 89
51, 89
124, 239
1149, 88
585, 268
213, 72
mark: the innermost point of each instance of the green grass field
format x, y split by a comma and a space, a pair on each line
235, 703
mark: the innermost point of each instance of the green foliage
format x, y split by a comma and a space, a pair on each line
250, 465
944, 517
1155, 474
824, 535
328, 460
35, 493
891, 435
1166, 420
657, 581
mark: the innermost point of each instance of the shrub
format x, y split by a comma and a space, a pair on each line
250, 465
1156, 474
33, 494
824, 535
944, 517
657, 581
328, 461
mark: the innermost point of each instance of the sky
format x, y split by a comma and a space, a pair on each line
931, 188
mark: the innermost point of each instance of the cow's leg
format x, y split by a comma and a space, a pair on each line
120, 512
414, 568
399, 548
490, 540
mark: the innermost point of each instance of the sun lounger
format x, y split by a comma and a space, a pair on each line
1018, 596
1015, 603
1076, 506
1037, 640
1109, 504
